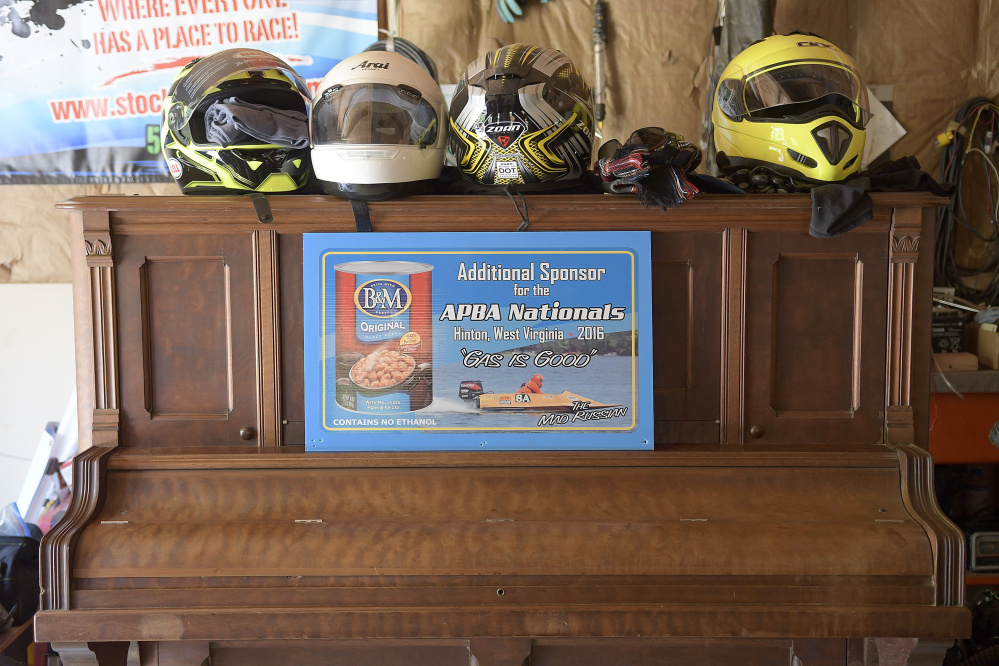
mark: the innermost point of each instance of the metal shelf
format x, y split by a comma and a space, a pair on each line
960, 422
973, 381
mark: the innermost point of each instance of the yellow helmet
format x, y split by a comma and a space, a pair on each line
795, 103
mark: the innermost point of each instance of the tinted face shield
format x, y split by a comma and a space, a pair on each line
796, 92
502, 96
374, 114
503, 86
209, 73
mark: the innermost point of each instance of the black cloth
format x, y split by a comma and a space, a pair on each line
839, 207
905, 175
712, 185
235, 121
19, 573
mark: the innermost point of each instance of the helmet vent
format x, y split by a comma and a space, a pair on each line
833, 140
802, 159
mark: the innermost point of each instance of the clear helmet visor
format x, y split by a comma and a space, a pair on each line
374, 114
209, 73
794, 90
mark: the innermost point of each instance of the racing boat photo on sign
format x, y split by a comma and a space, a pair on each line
529, 398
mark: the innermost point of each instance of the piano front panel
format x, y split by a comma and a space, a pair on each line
815, 341
686, 309
187, 339
185, 300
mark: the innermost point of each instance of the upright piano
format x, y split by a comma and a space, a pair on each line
785, 516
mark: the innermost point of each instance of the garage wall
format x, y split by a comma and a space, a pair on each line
37, 372
935, 54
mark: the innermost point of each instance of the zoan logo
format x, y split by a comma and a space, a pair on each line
505, 133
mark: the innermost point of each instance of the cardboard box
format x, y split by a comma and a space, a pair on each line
985, 339
956, 361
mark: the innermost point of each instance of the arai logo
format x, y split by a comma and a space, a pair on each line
382, 298
506, 132
370, 65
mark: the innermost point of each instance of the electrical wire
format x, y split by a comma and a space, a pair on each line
973, 133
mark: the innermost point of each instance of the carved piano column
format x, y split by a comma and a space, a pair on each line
96, 335
903, 252
267, 310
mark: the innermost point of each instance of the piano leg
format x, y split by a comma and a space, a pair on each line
75, 654
133, 654
929, 653
179, 653
499, 651
896, 651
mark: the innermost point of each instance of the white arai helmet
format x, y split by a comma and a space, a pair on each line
379, 127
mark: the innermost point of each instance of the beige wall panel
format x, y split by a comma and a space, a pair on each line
657, 54
447, 31
834, 20
655, 51
986, 69
34, 236
928, 50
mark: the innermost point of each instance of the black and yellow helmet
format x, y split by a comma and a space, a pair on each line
522, 116
795, 103
236, 122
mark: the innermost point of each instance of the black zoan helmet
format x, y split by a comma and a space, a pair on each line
522, 117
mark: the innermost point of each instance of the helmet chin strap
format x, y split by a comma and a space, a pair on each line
362, 216
525, 218
261, 207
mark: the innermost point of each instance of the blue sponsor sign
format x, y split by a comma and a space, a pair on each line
482, 341
85, 80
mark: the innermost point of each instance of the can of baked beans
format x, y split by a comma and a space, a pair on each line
384, 336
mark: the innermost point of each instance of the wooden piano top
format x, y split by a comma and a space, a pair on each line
547, 212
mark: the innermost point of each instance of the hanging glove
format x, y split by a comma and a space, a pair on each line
509, 10
652, 164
